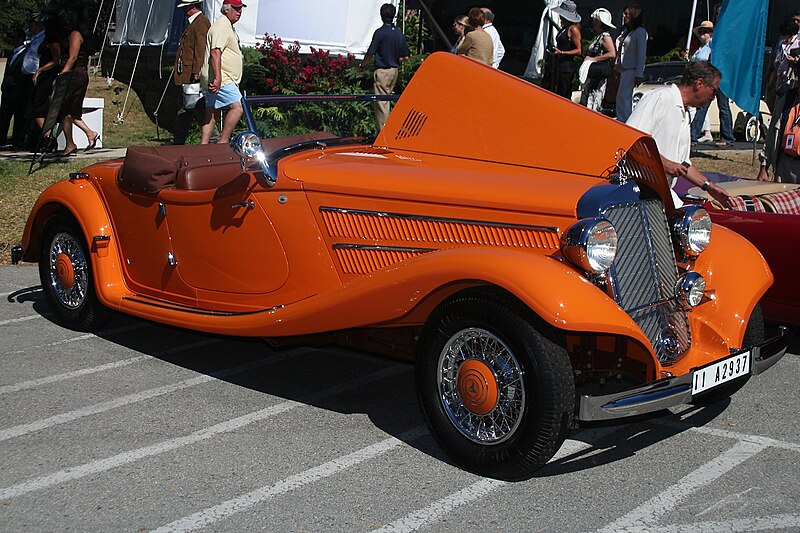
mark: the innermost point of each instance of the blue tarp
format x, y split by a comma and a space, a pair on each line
737, 50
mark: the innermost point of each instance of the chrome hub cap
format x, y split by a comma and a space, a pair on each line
68, 270
481, 386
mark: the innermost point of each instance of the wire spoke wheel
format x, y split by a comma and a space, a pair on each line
68, 270
494, 384
65, 271
481, 386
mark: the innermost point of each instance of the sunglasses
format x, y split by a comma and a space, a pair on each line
237, 8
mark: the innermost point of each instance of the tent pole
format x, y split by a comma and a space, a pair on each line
691, 25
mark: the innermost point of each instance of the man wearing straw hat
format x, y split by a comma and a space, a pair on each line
188, 62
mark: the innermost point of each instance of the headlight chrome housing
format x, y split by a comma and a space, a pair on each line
691, 228
591, 244
690, 289
247, 146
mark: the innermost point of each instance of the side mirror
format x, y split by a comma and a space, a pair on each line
248, 146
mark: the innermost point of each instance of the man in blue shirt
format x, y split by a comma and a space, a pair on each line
389, 49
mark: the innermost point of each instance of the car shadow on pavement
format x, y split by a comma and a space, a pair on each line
624, 439
348, 382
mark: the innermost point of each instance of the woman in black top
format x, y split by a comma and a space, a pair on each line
568, 47
77, 61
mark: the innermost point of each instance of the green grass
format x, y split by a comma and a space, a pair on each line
19, 191
137, 129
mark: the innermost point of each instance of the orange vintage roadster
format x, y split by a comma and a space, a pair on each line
530, 258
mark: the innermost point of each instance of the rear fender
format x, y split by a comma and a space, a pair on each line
81, 201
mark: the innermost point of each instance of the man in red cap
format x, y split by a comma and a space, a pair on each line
188, 62
222, 72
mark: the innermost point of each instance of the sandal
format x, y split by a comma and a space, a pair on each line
92, 144
723, 144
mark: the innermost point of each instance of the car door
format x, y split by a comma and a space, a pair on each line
222, 240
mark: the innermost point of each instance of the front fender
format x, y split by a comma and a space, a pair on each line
739, 276
82, 202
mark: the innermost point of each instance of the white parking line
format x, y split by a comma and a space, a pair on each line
421, 518
16, 387
61, 418
108, 366
103, 465
216, 513
741, 525
644, 516
20, 319
87, 336
766, 441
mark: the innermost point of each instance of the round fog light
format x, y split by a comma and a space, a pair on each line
690, 289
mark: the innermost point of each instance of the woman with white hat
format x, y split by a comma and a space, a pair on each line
568, 47
600, 54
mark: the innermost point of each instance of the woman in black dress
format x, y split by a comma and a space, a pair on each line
76, 61
568, 47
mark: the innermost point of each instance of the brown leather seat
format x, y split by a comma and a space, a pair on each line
148, 169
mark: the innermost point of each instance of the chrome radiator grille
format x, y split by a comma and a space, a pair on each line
645, 273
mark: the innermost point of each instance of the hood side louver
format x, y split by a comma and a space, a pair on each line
412, 125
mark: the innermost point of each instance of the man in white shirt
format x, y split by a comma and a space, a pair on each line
663, 114
499, 49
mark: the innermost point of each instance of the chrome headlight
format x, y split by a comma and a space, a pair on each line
247, 146
690, 289
691, 228
591, 244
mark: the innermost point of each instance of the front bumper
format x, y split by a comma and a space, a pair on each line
668, 392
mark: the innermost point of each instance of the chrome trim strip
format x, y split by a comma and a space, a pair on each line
98, 238
341, 246
195, 311
669, 392
438, 219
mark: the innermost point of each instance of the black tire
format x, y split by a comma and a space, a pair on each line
65, 270
753, 334
506, 428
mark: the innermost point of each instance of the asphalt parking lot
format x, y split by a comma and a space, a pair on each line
147, 428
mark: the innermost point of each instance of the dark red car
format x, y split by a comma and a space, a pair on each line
768, 215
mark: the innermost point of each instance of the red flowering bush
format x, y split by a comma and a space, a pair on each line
281, 69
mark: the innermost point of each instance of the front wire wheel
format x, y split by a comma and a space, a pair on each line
495, 385
65, 271
481, 386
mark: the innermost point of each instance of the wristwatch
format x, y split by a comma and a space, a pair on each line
706, 185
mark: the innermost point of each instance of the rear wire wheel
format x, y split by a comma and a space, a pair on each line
495, 385
65, 271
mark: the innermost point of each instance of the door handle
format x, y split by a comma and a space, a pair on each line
249, 204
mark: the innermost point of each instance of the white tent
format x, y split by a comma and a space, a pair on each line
339, 26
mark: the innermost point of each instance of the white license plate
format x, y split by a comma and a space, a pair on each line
720, 372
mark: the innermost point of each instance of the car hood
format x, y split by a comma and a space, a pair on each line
428, 178
458, 107
466, 134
